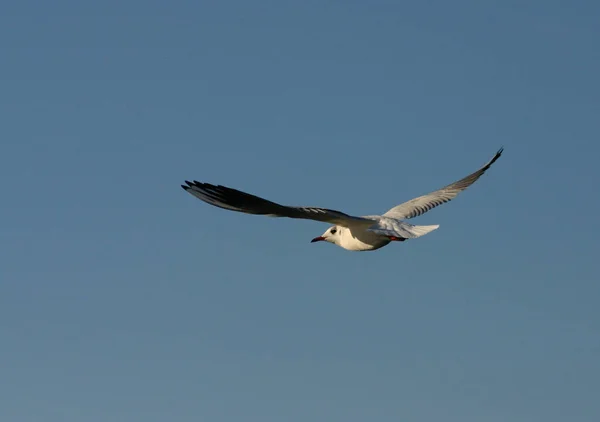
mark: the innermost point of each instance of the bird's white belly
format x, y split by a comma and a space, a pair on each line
357, 239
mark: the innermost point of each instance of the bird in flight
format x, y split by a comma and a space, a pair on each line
365, 233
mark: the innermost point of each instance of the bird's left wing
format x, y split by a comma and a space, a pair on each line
235, 200
422, 204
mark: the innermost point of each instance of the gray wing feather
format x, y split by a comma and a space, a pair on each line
422, 204
235, 200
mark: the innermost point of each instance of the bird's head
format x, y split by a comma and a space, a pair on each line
331, 235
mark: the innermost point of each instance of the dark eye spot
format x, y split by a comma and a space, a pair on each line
333, 231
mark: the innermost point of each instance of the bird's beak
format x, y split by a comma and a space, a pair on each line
317, 239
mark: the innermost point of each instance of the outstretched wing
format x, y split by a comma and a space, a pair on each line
235, 200
422, 204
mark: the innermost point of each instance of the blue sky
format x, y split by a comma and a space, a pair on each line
123, 298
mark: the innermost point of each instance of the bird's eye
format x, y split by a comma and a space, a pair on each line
333, 231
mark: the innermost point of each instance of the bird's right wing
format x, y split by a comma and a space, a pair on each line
235, 200
422, 204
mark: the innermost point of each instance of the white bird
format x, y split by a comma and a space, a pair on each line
366, 233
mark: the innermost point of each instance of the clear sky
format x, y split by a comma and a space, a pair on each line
123, 298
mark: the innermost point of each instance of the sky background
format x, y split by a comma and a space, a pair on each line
122, 298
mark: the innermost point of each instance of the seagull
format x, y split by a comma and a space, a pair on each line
353, 233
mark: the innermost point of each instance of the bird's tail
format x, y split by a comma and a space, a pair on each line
419, 231
403, 229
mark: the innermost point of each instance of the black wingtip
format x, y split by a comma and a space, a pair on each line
493, 160
189, 185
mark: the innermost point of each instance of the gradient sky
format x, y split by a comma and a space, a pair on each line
122, 298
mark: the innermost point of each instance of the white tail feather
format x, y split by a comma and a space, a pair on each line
419, 231
396, 228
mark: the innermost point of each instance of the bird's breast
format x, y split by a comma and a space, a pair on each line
358, 239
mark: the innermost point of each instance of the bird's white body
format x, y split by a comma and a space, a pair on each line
355, 239
352, 233
362, 237
358, 239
